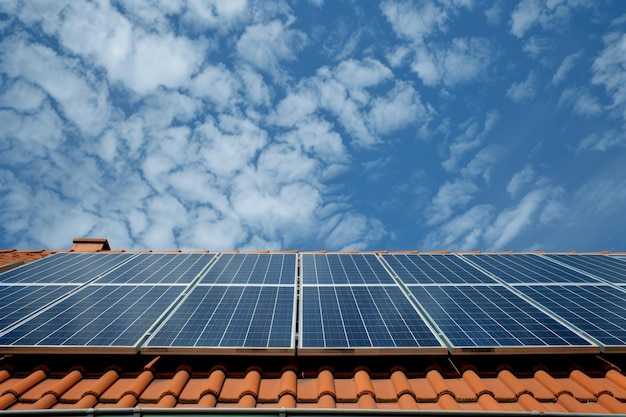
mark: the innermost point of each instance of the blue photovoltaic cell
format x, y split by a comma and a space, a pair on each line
598, 310
603, 266
259, 268
361, 317
527, 268
438, 269
64, 268
215, 316
97, 315
19, 301
491, 316
343, 269
159, 268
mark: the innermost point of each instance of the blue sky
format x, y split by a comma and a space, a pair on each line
429, 125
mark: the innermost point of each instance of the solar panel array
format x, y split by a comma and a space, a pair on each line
314, 303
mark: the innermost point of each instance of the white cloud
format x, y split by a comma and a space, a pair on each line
400, 108
37, 133
581, 101
414, 23
550, 15
511, 222
256, 90
458, 61
536, 46
355, 74
471, 138
139, 59
601, 196
22, 96
398, 56
603, 141
523, 90
220, 15
461, 61
482, 163
350, 230
525, 15
609, 69
566, 66
317, 137
296, 106
462, 232
494, 13
217, 84
520, 179
82, 99
450, 197
265, 45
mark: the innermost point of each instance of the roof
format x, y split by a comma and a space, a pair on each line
583, 383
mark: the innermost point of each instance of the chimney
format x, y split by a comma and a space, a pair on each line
90, 244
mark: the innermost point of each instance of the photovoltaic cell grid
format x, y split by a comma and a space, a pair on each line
96, 316
437, 269
372, 316
491, 317
602, 266
158, 268
350, 301
527, 268
64, 268
19, 301
260, 268
343, 269
231, 316
598, 310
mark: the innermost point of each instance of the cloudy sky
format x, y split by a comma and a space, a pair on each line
430, 125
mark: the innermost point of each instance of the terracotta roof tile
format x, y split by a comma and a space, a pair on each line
325, 383
231, 390
383, 388
447, 402
401, 383
269, 390
423, 390
345, 390
438, 384
288, 383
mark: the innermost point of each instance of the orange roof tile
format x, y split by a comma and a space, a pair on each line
252, 382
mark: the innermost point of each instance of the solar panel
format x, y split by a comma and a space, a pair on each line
603, 266
98, 318
362, 318
17, 302
259, 268
526, 268
229, 319
65, 268
598, 310
490, 318
343, 269
159, 268
439, 269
